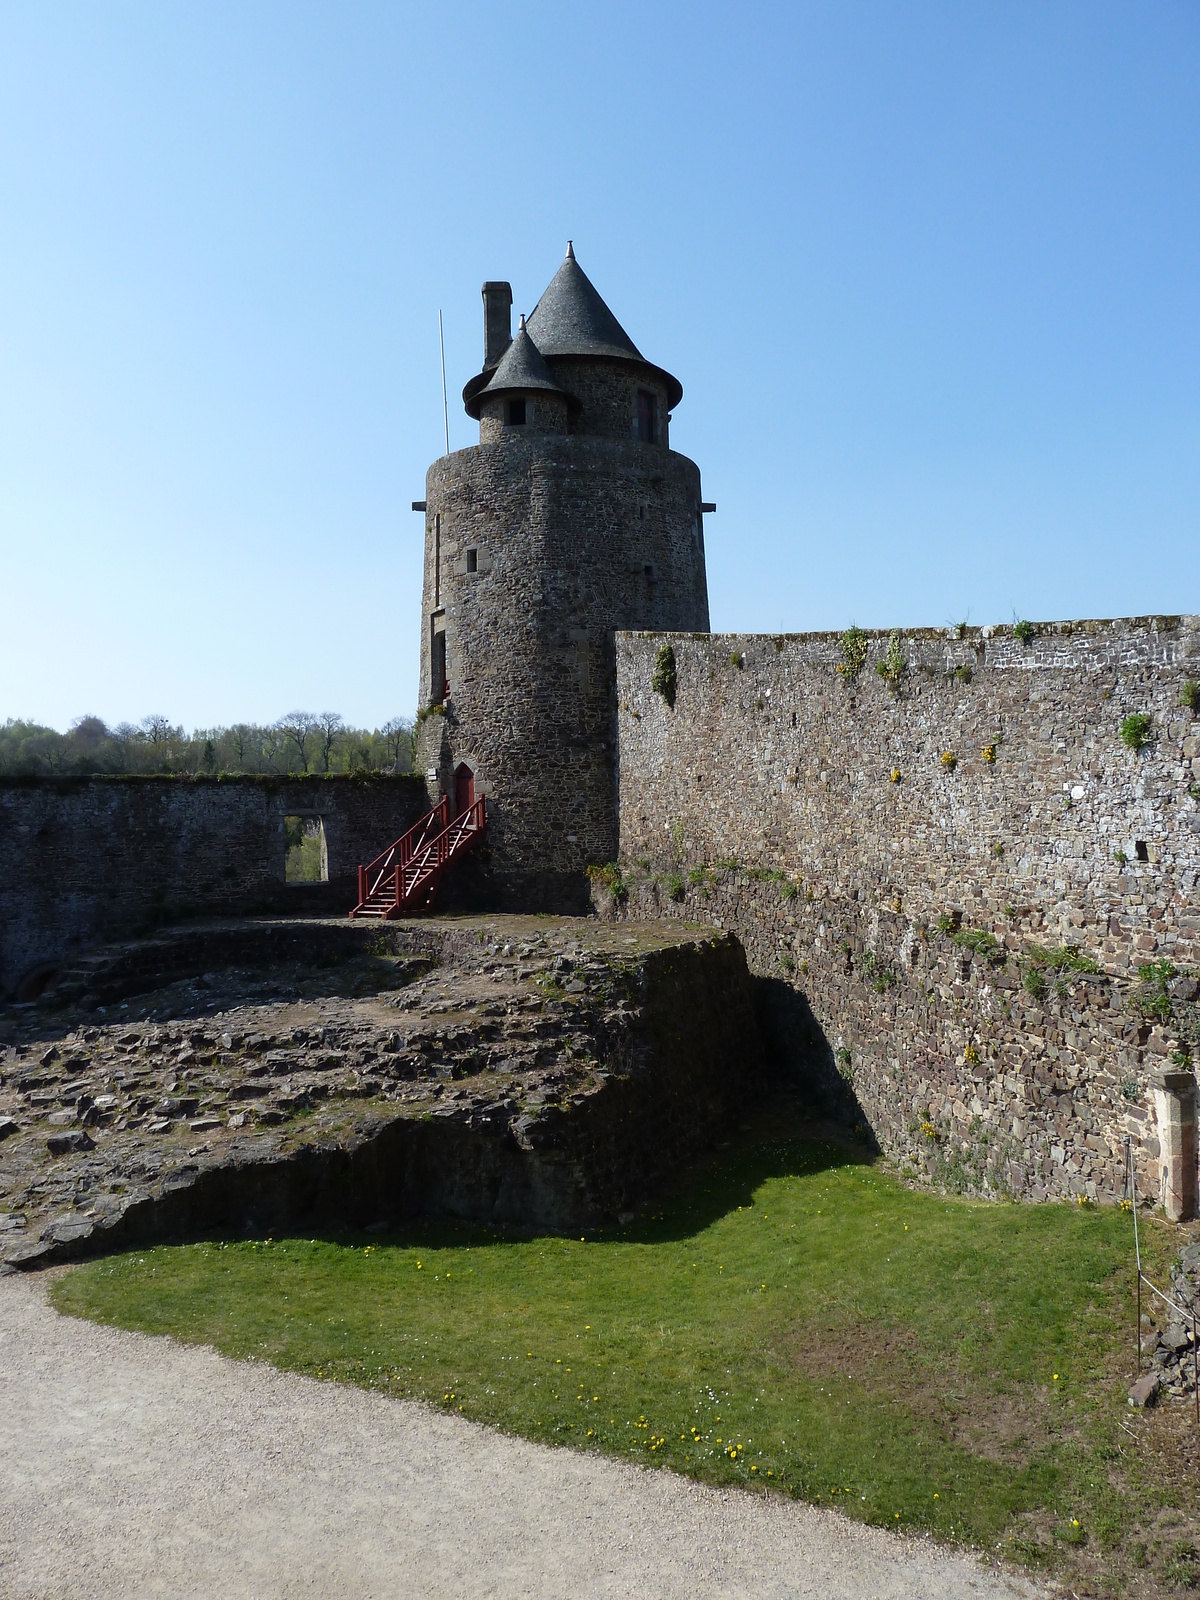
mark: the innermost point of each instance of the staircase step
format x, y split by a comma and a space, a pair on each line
420, 877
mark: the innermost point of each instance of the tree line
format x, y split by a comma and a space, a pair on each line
301, 741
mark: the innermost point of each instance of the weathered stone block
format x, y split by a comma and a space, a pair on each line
1175, 1112
1145, 1390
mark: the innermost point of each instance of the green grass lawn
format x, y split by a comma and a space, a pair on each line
798, 1320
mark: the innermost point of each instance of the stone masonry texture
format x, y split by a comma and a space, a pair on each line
573, 537
528, 1071
86, 859
906, 863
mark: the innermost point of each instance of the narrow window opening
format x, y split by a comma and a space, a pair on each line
437, 664
646, 421
649, 571
516, 413
1140, 850
472, 560
437, 560
306, 856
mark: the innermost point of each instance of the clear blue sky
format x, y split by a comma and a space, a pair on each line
929, 274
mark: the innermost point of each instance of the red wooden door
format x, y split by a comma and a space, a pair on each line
464, 789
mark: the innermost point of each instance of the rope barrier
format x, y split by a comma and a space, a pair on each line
1131, 1196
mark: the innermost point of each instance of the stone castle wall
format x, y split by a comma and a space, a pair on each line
861, 841
87, 859
571, 538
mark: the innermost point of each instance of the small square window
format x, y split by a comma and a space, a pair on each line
472, 560
516, 413
1140, 850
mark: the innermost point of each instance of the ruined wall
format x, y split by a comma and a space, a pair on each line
896, 856
547, 1107
86, 859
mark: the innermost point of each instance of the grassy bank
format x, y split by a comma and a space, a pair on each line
798, 1320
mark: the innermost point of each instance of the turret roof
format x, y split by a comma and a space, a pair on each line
519, 370
521, 366
569, 320
572, 320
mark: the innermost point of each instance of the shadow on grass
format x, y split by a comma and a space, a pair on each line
708, 1191
800, 1056
413, 1179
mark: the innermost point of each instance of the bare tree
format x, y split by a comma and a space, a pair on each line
329, 725
398, 733
157, 728
298, 728
239, 736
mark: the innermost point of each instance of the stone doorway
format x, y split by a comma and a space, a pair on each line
464, 788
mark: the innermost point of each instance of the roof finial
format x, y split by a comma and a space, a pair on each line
522, 323
570, 251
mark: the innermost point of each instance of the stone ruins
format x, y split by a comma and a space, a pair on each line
942, 882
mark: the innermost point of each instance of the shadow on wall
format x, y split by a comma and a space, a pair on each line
708, 1190
34, 982
799, 1055
216, 958
425, 1184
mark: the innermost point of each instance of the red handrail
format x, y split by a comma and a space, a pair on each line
438, 851
418, 860
402, 851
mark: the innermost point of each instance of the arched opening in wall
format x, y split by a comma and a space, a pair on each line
34, 983
437, 661
464, 788
306, 856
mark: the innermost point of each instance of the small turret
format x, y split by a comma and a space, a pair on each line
615, 392
521, 394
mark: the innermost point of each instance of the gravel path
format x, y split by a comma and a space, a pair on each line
132, 1466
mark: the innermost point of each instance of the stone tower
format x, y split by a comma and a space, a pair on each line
570, 519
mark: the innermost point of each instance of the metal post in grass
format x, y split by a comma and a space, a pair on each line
1131, 1189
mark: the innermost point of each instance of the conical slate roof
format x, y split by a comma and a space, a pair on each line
572, 320
569, 320
521, 367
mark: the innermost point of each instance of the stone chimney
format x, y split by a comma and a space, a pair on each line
497, 322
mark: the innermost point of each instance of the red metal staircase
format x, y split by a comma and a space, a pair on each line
405, 877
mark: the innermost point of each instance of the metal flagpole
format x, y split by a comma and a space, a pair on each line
445, 405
